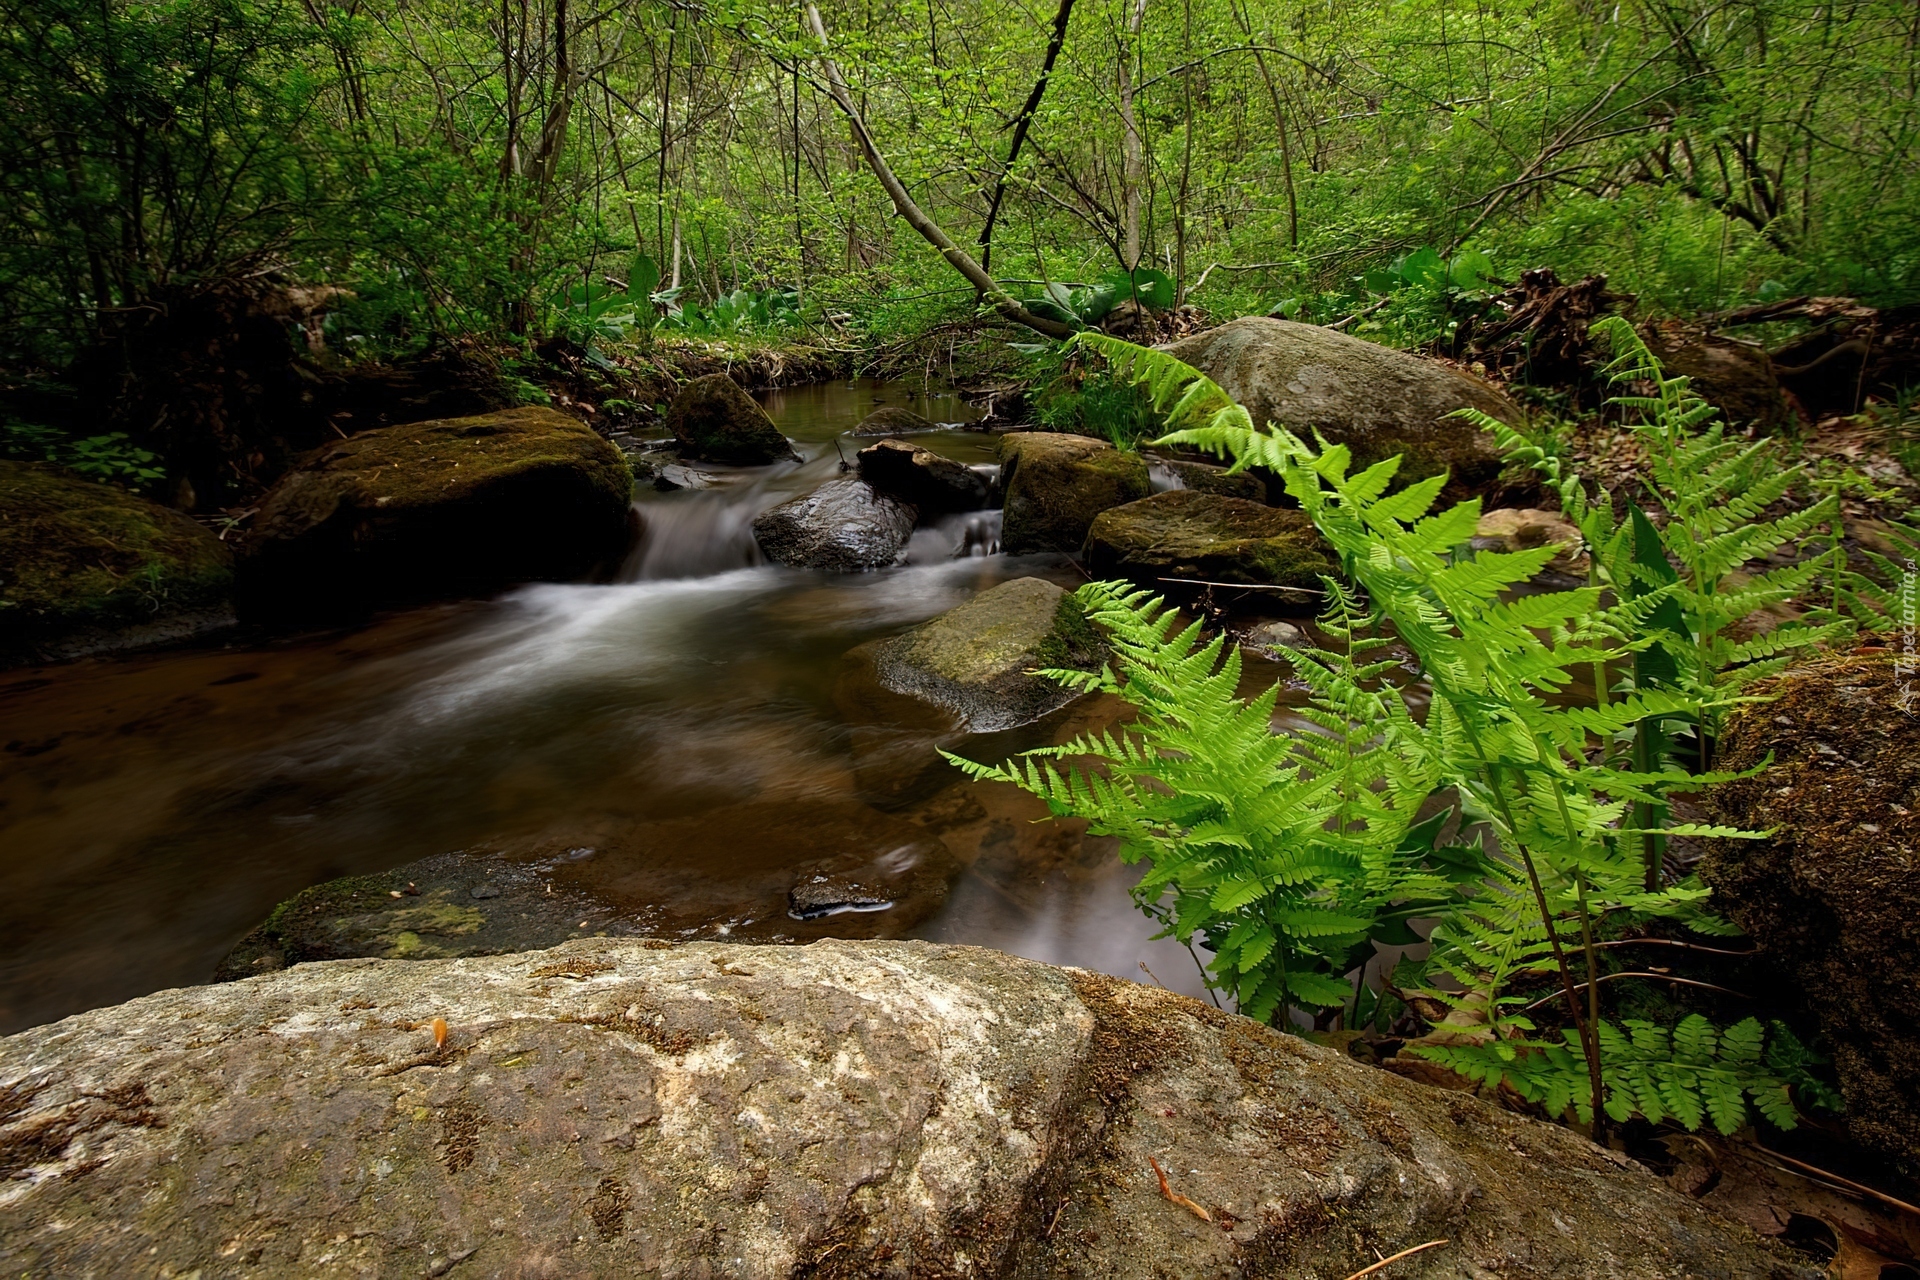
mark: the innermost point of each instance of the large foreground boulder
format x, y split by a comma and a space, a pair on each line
843, 525
622, 1108
1377, 401
461, 506
1833, 894
917, 475
976, 661
714, 419
1055, 484
85, 567
1184, 534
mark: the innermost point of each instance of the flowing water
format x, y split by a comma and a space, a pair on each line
679, 746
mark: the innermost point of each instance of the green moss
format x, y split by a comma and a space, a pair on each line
76, 555
1073, 642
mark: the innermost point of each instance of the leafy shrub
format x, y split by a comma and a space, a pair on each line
112, 457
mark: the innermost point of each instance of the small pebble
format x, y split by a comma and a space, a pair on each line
484, 891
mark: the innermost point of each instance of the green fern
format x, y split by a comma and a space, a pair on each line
1569, 818
1283, 853
1691, 1075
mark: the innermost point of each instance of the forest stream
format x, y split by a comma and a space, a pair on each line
671, 748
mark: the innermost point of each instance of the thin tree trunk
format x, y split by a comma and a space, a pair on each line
1133, 179
1021, 124
1003, 302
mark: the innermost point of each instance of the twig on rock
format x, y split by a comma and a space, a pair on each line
1175, 1196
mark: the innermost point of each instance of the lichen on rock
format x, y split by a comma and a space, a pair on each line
977, 660
622, 1107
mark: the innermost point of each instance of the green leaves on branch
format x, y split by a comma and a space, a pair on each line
1091, 304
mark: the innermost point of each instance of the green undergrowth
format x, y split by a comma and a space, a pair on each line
1293, 857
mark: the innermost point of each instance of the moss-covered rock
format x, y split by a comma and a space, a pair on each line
890, 420
86, 567
1377, 401
975, 661
1055, 485
1832, 894
461, 506
931, 483
713, 418
1187, 534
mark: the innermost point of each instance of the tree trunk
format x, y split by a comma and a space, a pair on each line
1134, 179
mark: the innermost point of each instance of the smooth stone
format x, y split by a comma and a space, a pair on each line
1377, 401
843, 526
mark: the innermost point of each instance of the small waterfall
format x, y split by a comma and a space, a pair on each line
1161, 478
696, 534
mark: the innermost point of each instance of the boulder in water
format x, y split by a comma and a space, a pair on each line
1831, 895
462, 506
1377, 401
86, 568
714, 419
843, 525
975, 660
889, 420
1056, 484
1186, 534
934, 484
618, 1107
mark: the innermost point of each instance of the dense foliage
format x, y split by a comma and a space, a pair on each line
1291, 854
471, 167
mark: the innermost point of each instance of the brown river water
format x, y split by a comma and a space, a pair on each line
677, 745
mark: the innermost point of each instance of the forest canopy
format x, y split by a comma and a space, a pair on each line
524, 167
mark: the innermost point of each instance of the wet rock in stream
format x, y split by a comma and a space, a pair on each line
1056, 484
975, 661
1174, 539
714, 419
843, 526
892, 420
458, 506
921, 477
620, 1107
